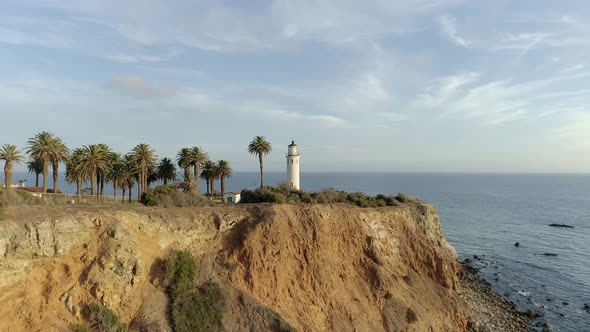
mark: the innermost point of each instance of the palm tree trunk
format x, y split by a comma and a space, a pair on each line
261, 171
37, 179
130, 187
55, 175
7, 174
124, 192
196, 176
222, 186
93, 179
165, 182
45, 174
212, 184
115, 190
101, 185
207, 185
79, 188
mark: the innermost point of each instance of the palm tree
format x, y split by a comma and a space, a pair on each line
209, 173
143, 157
115, 172
128, 179
75, 173
35, 166
93, 161
260, 147
60, 153
224, 171
166, 170
10, 155
42, 147
195, 157
101, 175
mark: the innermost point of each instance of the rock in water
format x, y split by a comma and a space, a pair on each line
517, 244
561, 225
550, 254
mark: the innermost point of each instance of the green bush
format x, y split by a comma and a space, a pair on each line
411, 316
199, 310
104, 319
80, 328
180, 270
192, 308
283, 194
170, 196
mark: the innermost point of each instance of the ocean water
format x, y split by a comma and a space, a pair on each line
484, 215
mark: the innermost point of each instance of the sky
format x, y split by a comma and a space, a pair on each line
362, 86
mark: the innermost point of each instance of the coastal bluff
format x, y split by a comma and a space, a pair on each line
316, 267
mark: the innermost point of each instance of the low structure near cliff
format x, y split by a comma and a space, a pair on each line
309, 267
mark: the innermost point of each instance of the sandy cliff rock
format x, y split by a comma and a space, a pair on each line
320, 268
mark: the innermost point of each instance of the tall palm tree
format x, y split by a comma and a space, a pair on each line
74, 171
101, 175
61, 153
93, 161
144, 159
207, 173
116, 171
223, 171
10, 155
183, 161
260, 147
35, 166
195, 157
128, 180
166, 170
41, 147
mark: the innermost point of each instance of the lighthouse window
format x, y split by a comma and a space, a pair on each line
291, 161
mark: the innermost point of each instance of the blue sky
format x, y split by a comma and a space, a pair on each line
408, 85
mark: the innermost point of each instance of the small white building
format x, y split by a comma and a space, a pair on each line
293, 166
231, 197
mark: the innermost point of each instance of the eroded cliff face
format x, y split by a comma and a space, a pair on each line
320, 267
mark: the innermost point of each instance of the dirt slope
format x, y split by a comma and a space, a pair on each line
320, 267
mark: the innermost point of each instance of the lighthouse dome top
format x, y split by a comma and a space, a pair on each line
292, 143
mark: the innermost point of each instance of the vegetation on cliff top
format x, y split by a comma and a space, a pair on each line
283, 194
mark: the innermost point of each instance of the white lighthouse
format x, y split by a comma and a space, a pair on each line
293, 166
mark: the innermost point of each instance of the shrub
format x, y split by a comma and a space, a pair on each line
199, 310
80, 328
193, 308
402, 198
180, 271
104, 319
170, 196
411, 316
283, 194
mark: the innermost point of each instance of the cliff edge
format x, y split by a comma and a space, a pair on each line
317, 267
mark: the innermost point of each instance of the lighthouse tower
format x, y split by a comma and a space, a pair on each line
293, 166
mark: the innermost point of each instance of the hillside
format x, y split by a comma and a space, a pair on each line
318, 267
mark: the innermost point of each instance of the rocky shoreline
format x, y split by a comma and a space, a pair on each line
491, 312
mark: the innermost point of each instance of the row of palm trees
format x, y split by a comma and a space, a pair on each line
99, 164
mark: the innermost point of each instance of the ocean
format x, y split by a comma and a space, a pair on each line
485, 215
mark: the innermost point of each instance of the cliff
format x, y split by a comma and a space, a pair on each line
319, 267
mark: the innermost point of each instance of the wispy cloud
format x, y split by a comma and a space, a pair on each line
449, 27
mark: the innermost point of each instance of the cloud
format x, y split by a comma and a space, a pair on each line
138, 87
501, 101
273, 25
449, 27
15, 37
572, 69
